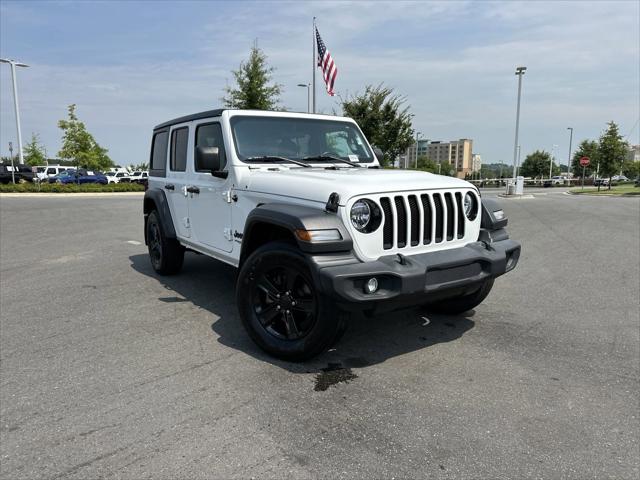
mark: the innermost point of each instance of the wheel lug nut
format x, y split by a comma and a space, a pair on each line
277, 307
293, 303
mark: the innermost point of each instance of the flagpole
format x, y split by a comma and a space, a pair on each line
313, 56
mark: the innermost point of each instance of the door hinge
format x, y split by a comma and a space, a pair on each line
227, 234
227, 196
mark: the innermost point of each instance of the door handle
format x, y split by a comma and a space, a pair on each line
193, 190
168, 186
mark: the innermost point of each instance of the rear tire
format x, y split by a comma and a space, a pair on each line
166, 254
457, 305
280, 306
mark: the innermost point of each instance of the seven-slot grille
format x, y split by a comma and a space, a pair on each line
421, 219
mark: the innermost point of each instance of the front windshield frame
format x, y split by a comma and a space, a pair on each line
365, 156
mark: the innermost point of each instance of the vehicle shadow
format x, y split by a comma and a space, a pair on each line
210, 285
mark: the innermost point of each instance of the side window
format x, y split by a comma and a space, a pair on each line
51, 171
159, 151
179, 139
210, 135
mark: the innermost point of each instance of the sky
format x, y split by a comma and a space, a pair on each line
131, 65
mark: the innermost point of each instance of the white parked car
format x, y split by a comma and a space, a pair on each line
118, 177
43, 172
299, 204
139, 177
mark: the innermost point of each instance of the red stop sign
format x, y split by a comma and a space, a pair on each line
584, 161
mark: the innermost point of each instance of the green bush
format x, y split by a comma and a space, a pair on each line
70, 188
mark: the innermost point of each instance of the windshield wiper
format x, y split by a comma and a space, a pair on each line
275, 158
330, 158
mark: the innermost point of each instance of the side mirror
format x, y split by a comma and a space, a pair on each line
207, 159
378, 153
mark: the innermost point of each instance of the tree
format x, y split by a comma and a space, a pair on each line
253, 90
80, 146
612, 151
34, 152
537, 165
447, 169
427, 165
140, 166
587, 148
383, 118
631, 169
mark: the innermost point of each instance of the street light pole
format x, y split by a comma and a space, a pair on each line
417, 136
519, 72
553, 149
308, 87
15, 64
569, 159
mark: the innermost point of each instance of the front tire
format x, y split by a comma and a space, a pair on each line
281, 307
166, 254
457, 305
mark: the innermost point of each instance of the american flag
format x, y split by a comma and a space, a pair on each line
329, 69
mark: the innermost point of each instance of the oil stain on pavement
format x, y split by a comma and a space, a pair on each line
333, 374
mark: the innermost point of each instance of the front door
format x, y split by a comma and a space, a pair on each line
210, 208
176, 180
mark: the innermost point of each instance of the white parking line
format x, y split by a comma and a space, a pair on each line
134, 242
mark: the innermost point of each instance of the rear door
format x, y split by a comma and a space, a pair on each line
176, 179
210, 207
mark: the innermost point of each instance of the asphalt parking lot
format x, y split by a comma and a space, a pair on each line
107, 370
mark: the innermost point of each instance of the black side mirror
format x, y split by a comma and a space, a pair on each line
378, 153
208, 160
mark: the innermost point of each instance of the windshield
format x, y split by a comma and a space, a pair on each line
298, 139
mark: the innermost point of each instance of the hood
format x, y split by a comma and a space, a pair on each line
317, 184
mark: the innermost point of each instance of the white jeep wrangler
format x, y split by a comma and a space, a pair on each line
299, 204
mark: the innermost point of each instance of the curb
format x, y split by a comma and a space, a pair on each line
75, 194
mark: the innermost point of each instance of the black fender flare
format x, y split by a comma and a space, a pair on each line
158, 198
298, 217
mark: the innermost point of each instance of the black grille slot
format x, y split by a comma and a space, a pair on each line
439, 217
428, 215
415, 220
460, 215
387, 230
402, 222
450, 215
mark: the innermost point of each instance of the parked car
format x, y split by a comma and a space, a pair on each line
122, 177
82, 176
21, 173
139, 177
619, 178
637, 182
299, 205
45, 171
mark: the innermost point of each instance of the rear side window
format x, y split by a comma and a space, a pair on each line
159, 152
179, 139
210, 135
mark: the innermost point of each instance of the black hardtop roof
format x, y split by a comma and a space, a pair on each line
193, 116
197, 116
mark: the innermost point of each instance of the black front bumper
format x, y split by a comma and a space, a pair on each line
414, 279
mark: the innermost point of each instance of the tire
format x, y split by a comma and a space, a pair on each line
281, 307
166, 254
457, 305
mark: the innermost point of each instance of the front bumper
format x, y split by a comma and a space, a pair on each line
417, 278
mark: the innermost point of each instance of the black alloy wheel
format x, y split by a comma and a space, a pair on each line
282, 308
284, 302
166, 254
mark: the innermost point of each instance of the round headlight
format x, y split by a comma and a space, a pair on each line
470, 206
360, 215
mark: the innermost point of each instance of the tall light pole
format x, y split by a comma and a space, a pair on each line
519, 72
569, 159
417, 137
308, 87
553, 149
15, 64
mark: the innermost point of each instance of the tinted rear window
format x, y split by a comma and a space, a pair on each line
159, 151
179, 140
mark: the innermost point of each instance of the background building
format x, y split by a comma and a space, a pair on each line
456, 152
634, 153
476, 162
